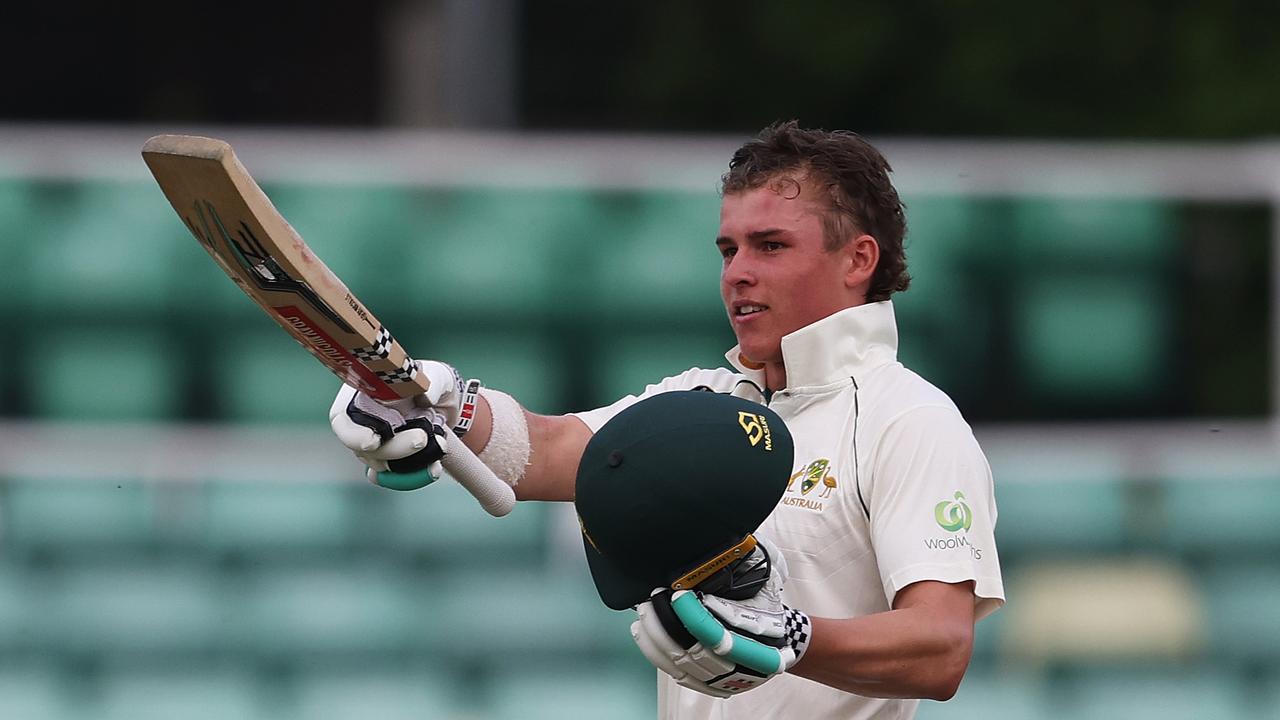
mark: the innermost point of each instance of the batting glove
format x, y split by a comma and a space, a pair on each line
721, 647
402, 444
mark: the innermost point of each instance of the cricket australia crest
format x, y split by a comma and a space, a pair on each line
807, 479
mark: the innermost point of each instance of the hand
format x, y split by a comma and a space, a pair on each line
719, 646
402, 443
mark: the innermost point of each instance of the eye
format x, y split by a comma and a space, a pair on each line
771, 246
728, 251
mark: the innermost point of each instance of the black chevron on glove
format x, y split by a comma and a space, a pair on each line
386, 422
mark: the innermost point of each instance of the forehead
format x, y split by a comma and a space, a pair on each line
787, 206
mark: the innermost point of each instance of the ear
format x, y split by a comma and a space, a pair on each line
863, 254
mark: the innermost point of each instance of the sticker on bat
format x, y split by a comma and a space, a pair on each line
259, 266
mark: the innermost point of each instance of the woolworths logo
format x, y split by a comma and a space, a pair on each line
953, 515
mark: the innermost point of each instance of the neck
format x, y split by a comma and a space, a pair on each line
775, 376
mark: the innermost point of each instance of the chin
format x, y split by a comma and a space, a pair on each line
759, 347
761, 355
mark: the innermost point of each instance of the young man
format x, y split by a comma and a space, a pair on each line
887, 525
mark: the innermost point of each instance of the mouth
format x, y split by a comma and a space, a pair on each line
742, 310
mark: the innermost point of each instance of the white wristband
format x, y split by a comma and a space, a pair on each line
507, 452
467, 407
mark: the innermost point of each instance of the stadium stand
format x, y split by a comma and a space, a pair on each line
297, 594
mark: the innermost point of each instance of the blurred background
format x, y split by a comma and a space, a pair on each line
528, 190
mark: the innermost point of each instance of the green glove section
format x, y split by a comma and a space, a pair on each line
703, 626
405, 481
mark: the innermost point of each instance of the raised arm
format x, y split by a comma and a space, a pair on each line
402, 444
556, 443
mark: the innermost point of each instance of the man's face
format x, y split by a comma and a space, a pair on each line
777, 277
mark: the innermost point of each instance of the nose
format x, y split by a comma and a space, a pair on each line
737, 271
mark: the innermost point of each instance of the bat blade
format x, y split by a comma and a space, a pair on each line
247, 237
242, 231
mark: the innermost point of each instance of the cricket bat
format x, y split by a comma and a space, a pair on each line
256, 247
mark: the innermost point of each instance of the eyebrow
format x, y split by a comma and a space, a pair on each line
756, 235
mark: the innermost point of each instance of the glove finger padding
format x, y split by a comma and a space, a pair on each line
667, 645
401, 445
736, 647
758, 632
358, 438
410, 442
663, 653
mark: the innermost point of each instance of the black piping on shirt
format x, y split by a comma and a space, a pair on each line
857, 482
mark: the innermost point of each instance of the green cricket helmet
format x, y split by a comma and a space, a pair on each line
671, 489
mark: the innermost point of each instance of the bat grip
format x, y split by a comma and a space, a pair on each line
496, 497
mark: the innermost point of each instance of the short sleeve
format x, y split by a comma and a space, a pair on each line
717, 380
932, 506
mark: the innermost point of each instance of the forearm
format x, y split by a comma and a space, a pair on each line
920, 651
556, 443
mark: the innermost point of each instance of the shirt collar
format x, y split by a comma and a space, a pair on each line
845, 344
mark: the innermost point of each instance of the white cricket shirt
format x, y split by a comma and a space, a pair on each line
889, 488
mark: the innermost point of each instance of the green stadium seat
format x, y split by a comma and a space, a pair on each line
34, 692
262, 517
1267, 704
1010, 695
1092, 336
1244, 617
331, 608
1091, 313
1224, 517
114, 247
1064, 517
515, 360
75, 516
659, 260
1156, 694
501, 253
445, 523
191, 693
130, 608
101, 373
387, 691
10, 380
15, 609
559, 690
264, 376
1094, 233
477, 609
629, 362
947, 237
944, 315
24, 226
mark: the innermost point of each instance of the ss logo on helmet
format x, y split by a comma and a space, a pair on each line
757, 429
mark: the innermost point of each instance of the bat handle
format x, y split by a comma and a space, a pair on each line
496, 497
